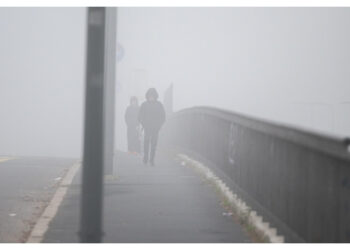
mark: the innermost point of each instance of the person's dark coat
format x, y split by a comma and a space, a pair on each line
152, 115
131, 116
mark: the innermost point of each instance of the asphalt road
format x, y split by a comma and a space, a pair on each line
26, 186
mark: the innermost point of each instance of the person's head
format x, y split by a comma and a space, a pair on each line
134, 101
151, 94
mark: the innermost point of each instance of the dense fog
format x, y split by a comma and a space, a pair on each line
41, 81
288, 65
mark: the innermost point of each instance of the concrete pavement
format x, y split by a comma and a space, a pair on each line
167, 203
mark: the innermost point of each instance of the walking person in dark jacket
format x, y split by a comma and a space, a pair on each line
151, 117
131, 119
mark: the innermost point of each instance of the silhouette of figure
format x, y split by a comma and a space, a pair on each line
151, 117
131, 119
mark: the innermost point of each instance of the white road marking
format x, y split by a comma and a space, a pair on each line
3, 159
40, 228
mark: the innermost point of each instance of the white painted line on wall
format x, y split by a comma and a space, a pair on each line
40, 228
242, 209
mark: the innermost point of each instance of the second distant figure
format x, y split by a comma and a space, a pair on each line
151, 117
131, 119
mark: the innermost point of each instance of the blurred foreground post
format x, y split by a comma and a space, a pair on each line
98, 113
109, 93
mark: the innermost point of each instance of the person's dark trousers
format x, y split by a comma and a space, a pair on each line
151, 138
133, 139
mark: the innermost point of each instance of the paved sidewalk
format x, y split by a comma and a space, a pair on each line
167, 203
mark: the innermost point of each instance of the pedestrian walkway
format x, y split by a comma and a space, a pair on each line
166, 203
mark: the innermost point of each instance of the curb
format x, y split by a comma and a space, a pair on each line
242, 209
41, 226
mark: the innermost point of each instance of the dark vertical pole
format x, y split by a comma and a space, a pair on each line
92, 188
109, 94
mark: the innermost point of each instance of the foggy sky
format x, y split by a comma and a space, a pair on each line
41, 81
288, 65
284, 64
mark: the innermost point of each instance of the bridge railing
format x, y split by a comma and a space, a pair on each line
298, 180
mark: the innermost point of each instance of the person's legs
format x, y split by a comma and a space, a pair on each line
137, 142
154, 140
129, 136
146, 146
134, 142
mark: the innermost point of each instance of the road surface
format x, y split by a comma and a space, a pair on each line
26, 186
